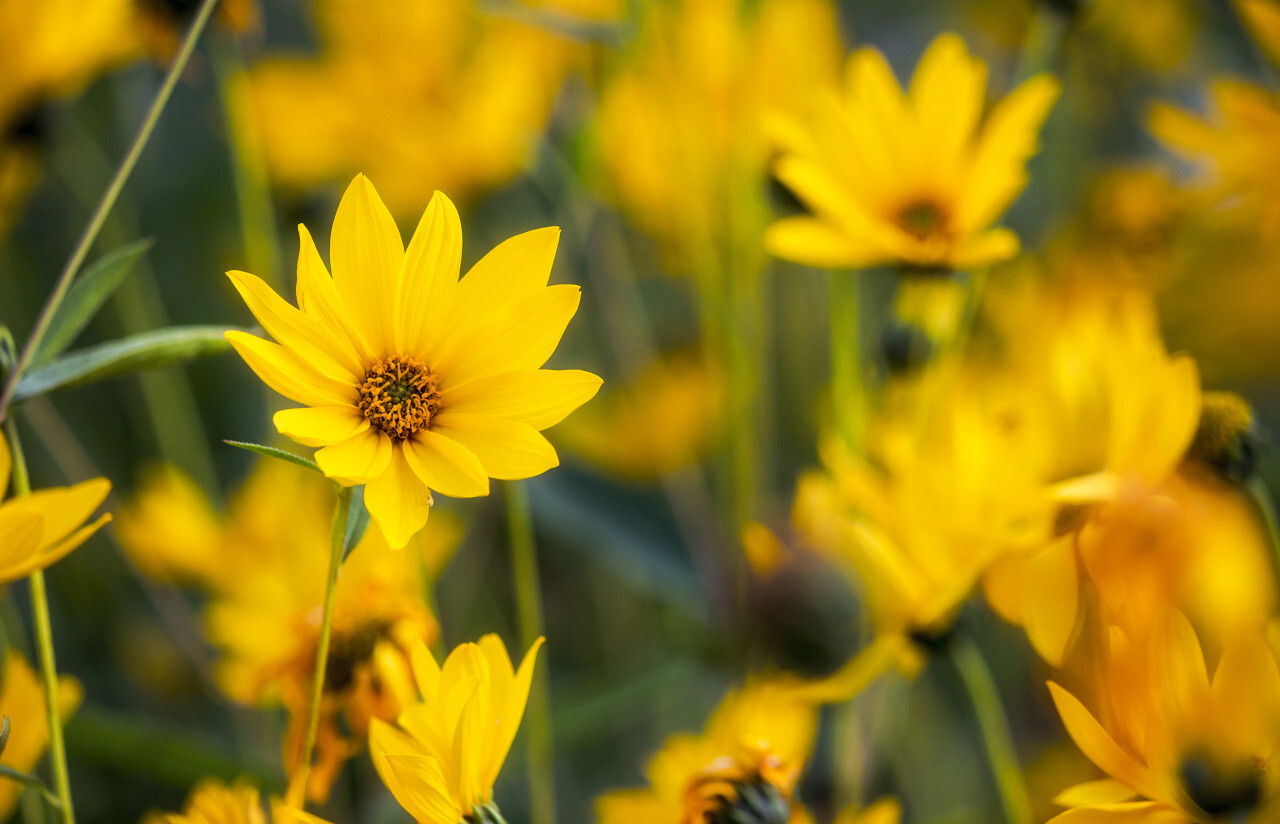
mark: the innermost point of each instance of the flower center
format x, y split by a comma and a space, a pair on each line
349, 650
399, 396
922, 219
1221, 790
731, 794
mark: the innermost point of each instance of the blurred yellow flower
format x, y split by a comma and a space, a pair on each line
1236, 148
1177, 745
441, 758
39, 529
744, 766
910, 179
884, 811
461, 116
22, 699
667, 420
212, 802
260, 565
680, 128
416, 380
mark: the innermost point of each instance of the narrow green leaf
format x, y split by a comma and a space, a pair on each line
148, 350
357, 522
31, 781
272, 452
85, 298
4, 733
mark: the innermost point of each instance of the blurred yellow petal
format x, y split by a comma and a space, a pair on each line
1094, 742
1093, 793
1051, 601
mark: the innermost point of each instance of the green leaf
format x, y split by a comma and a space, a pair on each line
31, 781
280, 454
148, 350
357, 522
85, 298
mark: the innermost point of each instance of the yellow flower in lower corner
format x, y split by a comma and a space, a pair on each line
443, 755
746, 762
22, 700
413, 379
38, 529
909, 179
213, 802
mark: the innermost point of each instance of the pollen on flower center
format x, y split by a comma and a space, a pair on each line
922, 219
399, 396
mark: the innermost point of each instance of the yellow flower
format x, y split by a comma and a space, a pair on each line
22, 699
441, 758
884, 811
680, 128
909, 179
38, 529
416, 380
748, 760
258, 563
461, 116
1236, 149
1177, 745
212, 802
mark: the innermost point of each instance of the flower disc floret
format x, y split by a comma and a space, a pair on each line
399, 396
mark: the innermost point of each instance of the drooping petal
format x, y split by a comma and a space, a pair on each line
1094, 742
397, 500
320, 425
366, 253
446, 465
358, 459
507, 450
430, 278
288, 374
538, 397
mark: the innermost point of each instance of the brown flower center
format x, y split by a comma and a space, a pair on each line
922, 219
399, 396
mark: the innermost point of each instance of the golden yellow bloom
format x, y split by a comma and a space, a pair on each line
884, 811
38, 529
748, 760
1235, 149
416, 380
441, 758
212, 802
1177, 745
259, 564
461, 116
909, 179
680, 128
22, 699
666, 421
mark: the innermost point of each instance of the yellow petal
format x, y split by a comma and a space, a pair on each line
538, 397
361, 457
1097, 746
430, 279
880, 656
366, 253
49, 555
814, 243
318, 297
288, 374
1052, 599
426, 672
292, 329
19, 542
508, 450
1246, 687
511, 712
446, 466
513, 268
320, 425
985, 248
468, 744
415, 780
397, 500
1137, 812
63, 508
521, 336
1091, 793
947, 90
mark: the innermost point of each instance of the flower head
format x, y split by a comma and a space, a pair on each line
743, 767
909, 179
441, 758
414, 380
38, 529
214, 802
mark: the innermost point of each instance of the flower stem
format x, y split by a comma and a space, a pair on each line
44, 640
108, 200
997, 739
524, 569
846, 375
298, 786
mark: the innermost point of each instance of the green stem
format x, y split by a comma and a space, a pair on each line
44, 640
997, 739
108, 200
1042, 41
846, 374
524, 569
298, 786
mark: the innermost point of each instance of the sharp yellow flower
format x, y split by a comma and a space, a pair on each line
1177, 744
38, 529
212, 802
258, 564
442, 756
743, 767
909, 179
413, 379
22, 699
